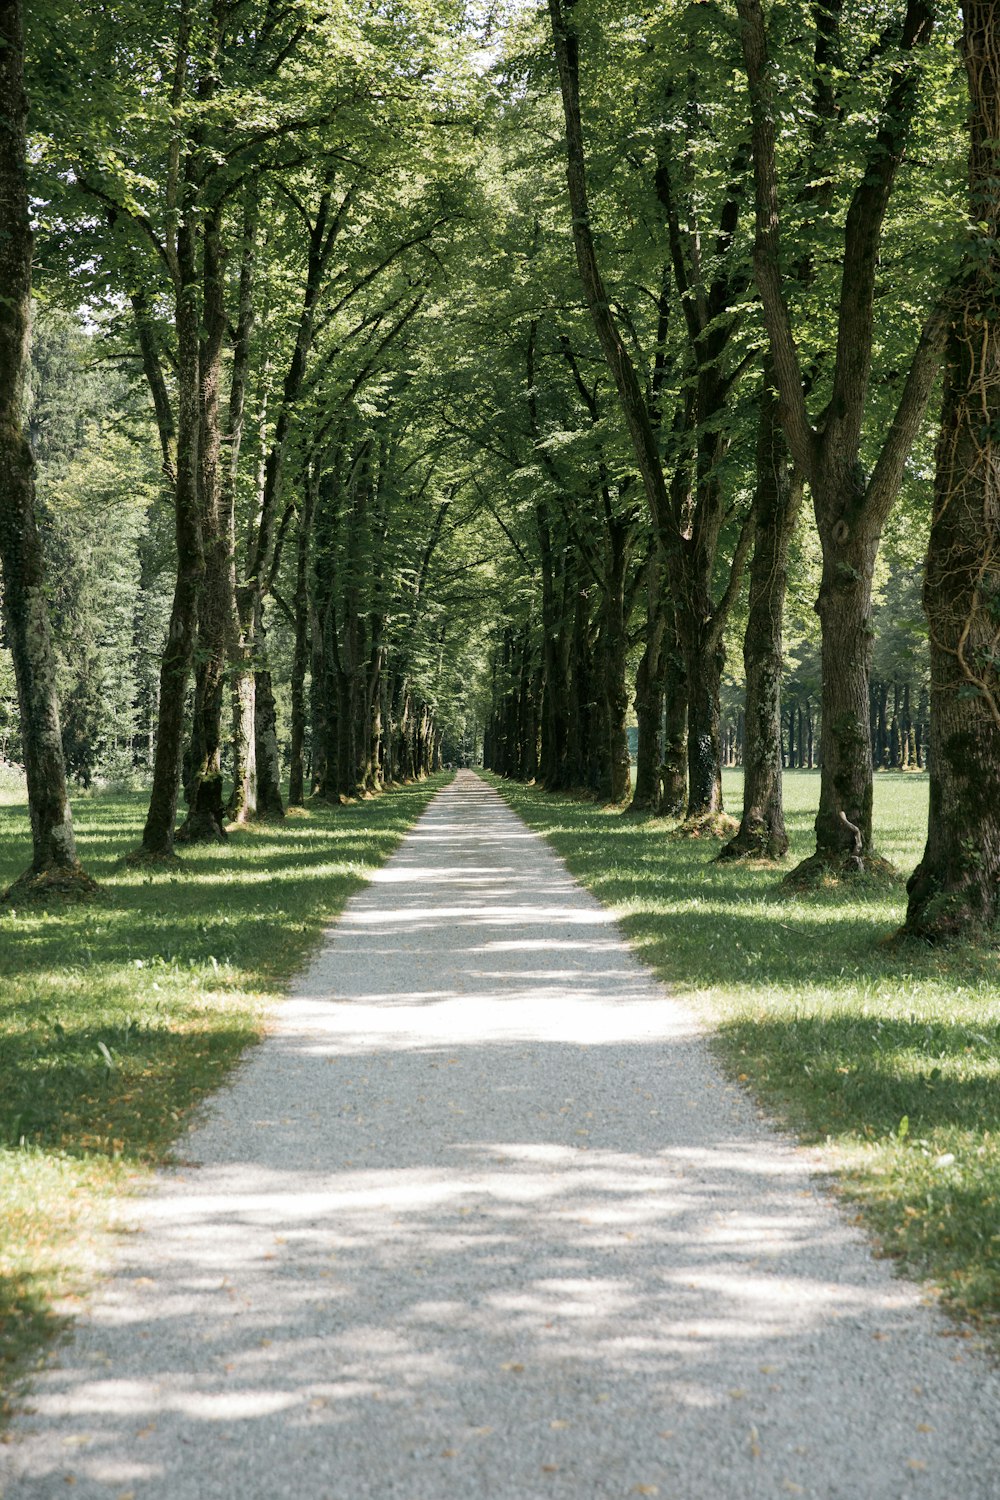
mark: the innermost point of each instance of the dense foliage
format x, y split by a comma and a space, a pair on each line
435, 381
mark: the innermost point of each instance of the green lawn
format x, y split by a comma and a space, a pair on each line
118, 1017
889, 1054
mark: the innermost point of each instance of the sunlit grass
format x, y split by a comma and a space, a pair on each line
117, 1018
888, 1053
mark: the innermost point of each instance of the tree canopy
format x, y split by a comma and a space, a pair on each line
427, 382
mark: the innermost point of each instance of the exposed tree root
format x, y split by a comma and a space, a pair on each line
201, 828
948, 914
706, 826
55, 884
757, 842
825, 871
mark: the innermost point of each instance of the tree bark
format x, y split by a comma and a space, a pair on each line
673, 772
158, 834
267, 754
216, 600
955, 890
54, 858
649, 695
300, 656
778, 496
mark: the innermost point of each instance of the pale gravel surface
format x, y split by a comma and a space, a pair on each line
481, 1219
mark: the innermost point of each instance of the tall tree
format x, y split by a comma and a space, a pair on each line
851, 502
54, 862
687, 521
955, 890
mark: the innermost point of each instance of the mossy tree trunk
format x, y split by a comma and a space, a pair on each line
955, 890
25, 606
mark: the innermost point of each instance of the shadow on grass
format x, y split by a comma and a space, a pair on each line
116, 1019
867, 1074
892, 1053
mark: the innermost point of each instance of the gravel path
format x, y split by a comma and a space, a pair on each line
481, 1219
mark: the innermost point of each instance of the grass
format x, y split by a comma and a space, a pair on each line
117, 1018
890, 1055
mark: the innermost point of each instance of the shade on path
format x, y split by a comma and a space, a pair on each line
481, 1219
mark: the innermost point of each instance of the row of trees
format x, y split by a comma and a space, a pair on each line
536, 325
839, 405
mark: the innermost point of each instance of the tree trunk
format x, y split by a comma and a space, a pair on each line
158, 834
268, 757
614, 661
300, 655
703, 662
762, 828
844, 819
955, 890
242, 806
54, 861
649, 694
216, 602
673, 773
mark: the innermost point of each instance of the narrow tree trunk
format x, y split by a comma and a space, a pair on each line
762, 828
649, 695
216, 602
269, 801
300, 655
158, 834
615, 657
703, 661
673, 773
54, 863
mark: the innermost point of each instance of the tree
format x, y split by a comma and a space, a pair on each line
851, 501
687, 516
54, 864
955, 890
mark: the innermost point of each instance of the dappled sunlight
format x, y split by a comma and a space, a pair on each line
482, 1189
